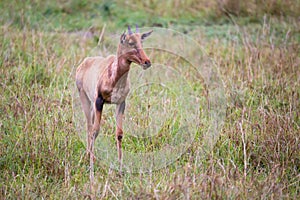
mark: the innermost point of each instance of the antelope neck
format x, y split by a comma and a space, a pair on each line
119, 68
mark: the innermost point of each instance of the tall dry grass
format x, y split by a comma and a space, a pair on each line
256, 156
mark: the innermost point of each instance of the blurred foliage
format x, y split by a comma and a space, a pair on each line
77, 14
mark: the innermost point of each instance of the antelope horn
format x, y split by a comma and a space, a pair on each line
129, 30
137, 29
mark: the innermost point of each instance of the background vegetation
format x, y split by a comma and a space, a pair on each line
254, 43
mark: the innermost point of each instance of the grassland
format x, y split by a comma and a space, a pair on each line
255, 47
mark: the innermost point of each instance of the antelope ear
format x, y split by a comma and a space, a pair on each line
123, 38
144, 35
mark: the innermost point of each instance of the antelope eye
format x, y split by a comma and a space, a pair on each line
131, 43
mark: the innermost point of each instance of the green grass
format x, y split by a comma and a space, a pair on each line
256, 48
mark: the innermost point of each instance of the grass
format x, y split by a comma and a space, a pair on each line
255, 46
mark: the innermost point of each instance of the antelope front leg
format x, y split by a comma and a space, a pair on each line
94, 133
119, 132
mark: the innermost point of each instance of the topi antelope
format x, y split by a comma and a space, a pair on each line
105, 80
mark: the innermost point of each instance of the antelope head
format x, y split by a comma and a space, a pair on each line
132, 49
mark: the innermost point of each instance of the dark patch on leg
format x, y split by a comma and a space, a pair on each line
120, 137
99, 103
122, 108
96, 134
